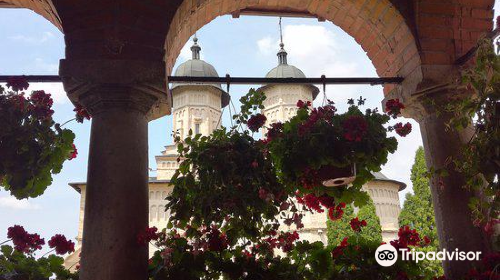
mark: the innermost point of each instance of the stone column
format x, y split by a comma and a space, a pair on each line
450, 197
119, 95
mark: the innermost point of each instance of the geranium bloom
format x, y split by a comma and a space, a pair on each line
256, 122
407, 237
393, 107
81, 114
23, 241
17, 83
274, 132
61, 244
356, 224
339, 250
148, 235
302, 104
336, 213
74, 153
41, 104
355, 128
402, 130
217, 241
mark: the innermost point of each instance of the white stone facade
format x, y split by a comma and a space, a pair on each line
196, 108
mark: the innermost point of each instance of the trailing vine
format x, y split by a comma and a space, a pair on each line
479, 159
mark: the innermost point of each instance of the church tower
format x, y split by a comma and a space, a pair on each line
281, 99
195, 107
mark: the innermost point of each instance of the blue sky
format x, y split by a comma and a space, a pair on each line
241, 47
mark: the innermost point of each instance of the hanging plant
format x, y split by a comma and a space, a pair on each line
18, 262
323, 153
227, 179
32, 145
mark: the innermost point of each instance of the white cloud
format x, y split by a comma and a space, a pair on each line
37, 40
44, 66
312, 48
14, 204
266, 45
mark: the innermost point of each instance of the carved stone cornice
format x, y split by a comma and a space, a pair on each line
100, 85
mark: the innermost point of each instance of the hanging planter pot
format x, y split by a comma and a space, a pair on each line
332, 176
320, 151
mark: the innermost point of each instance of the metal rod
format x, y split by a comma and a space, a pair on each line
240, 80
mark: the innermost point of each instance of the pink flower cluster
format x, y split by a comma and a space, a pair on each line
336, 213
356, 224
285, 241
355, 127
24, 241
148, 235
41, 105
256, 122
17, 83
314, 202
402, 130
393, 107
339, 250
74, 153
409, 237
81, 114
61, 244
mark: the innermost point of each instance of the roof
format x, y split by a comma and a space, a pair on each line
285, 70
196, 67
381, 177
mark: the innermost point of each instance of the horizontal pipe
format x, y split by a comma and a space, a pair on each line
240, 80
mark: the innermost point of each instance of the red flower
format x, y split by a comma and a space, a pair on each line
286, 240
312, 202
18, 83
355, 128
336, 213
81, 114
407, 237
41, 104
23, 241
147, 236
427, 240
256, 122
393, 107
356, 224
402, 130
302, 104
74, 153
274, 132
61, 244
217, 241
339, 250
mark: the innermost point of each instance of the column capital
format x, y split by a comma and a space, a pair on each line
101, 84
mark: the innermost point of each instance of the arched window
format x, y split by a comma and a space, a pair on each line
152, 213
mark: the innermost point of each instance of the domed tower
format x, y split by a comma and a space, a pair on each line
281, 102
384, 193
196, 107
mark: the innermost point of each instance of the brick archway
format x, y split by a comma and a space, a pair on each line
377, 26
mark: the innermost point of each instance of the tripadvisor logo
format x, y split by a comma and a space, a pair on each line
387, 255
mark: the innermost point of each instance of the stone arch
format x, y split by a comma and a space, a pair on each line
377, 26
